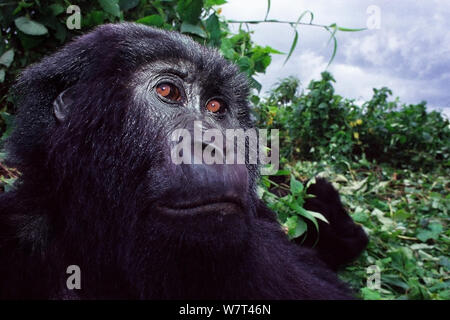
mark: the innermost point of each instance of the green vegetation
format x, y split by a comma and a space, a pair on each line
390, 161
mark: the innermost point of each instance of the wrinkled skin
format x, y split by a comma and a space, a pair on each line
98, 188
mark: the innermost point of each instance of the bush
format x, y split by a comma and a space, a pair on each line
318, 124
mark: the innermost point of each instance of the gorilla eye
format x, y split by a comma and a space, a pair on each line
168, 91
215, 106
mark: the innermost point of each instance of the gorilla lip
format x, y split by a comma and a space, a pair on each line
224, 206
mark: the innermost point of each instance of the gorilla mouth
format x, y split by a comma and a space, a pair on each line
225, 206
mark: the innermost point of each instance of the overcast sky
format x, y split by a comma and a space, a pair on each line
409, 53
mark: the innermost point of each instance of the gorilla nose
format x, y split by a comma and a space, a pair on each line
207, 178
207, 153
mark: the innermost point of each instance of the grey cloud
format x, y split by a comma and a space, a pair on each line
410, 53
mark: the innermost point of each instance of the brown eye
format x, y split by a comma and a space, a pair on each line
168, 91
214, 106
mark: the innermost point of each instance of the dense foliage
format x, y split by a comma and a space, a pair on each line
319, 124
390, 161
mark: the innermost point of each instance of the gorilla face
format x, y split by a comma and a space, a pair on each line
114, 137
198, 200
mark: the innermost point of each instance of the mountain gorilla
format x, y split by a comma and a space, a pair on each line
98, 188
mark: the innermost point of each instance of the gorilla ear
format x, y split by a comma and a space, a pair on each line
62, 104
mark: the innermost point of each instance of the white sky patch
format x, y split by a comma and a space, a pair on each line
410, 54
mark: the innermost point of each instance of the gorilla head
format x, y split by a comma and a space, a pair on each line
99, 187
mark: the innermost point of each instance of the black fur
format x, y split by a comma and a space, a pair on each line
90, 186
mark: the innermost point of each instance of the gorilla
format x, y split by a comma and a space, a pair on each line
98, 189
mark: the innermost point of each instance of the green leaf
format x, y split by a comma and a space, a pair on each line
302, 15
193, 29
262, 58
7, 58
335, 45
61, 32
255, 84
211, 3
369, 294
8, 183
126, 5
401, 214
296, 186
110, 6
2, 75
395, 281
310, 182
293, 45
359, 215
417, 291
190, 10
323, 106
318, 215
296, 227
94, 18
22, 5
291, 222
56, 9
30, 27
268, 9
445, 295
445, 262
29, 42
351, 30
226, 47
213, 27
300, 229
245, 64
305, 213
387, 223
432, 232
152, 20
9, 122
282, 173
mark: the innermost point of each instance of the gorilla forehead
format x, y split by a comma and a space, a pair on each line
191, 73
131, 47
